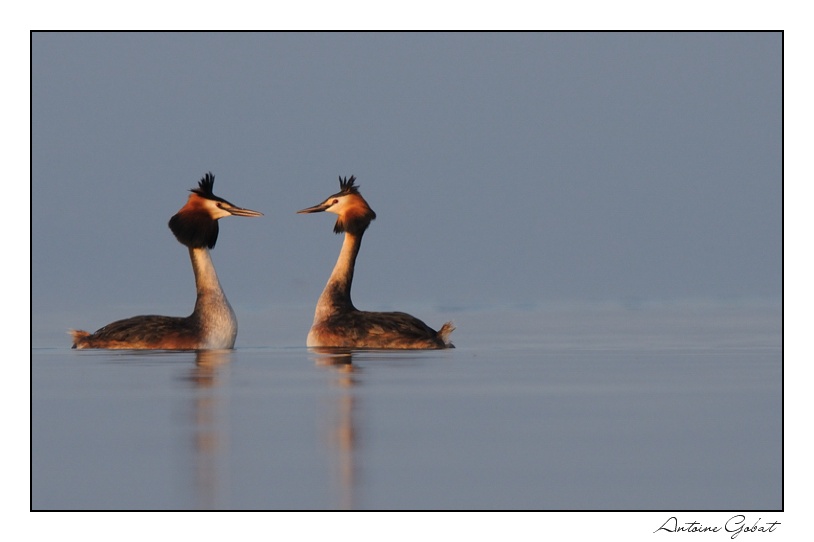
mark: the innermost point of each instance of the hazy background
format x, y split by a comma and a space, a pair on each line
507, 170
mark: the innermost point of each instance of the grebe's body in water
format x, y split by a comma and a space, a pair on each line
337, 323
212, 325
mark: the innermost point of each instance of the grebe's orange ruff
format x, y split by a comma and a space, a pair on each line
337, 323
212, 325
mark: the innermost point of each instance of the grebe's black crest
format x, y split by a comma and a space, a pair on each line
205, 186
347, 186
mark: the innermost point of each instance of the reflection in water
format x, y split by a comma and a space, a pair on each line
342, 436
208, 426
209, 423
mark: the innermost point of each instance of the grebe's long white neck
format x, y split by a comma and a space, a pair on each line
335, 297
212, 310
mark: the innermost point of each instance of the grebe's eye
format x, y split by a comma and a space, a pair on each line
334, 202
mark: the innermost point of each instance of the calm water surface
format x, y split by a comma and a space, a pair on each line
583, 409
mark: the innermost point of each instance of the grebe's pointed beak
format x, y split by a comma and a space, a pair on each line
240, 211
315, 209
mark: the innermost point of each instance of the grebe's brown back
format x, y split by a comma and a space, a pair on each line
212, 324
337, 323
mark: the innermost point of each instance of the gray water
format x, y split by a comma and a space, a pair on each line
654, 408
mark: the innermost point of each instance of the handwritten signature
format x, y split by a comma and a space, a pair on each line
735, 525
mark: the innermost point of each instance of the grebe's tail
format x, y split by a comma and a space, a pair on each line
79, 337
444, 333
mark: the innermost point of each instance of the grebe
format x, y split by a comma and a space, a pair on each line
337, 323
212, 325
